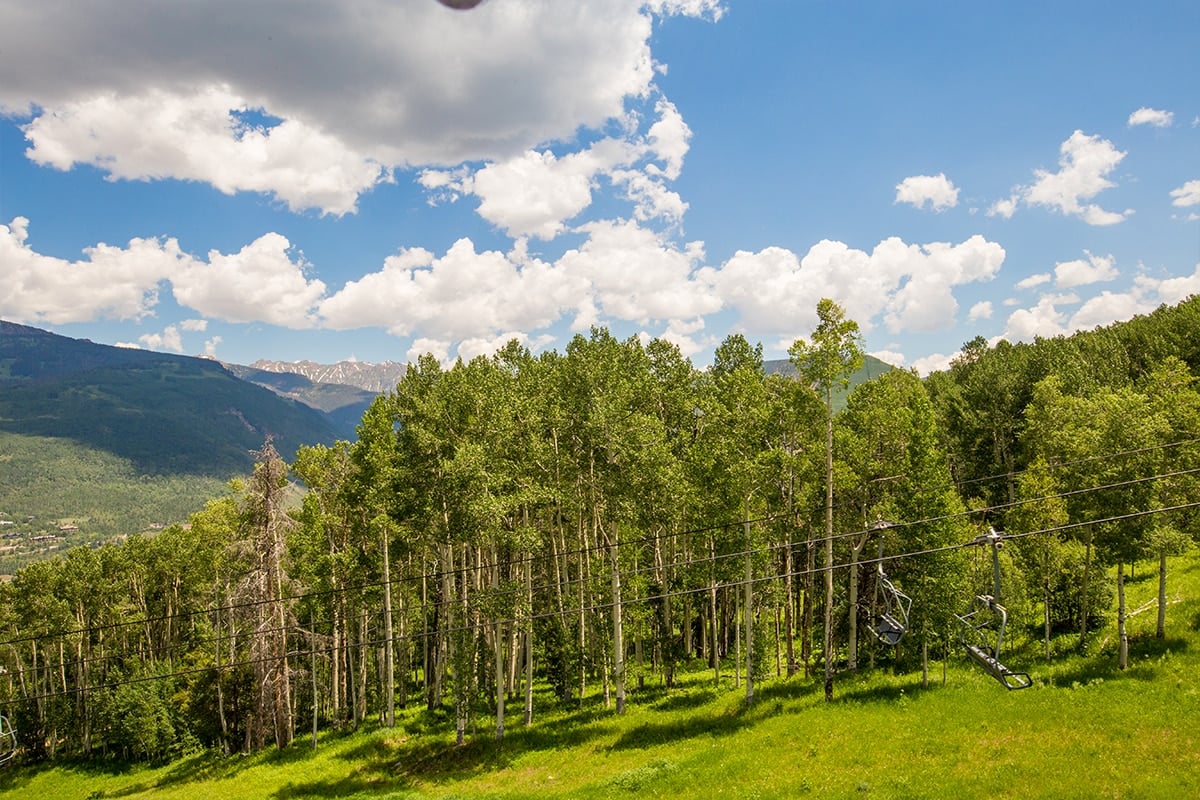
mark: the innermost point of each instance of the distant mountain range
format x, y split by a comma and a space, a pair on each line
374, 378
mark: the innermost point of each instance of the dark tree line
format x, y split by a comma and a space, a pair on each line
605, 517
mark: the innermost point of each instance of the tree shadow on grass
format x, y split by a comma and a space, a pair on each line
885, 692
1145, 654
768, 701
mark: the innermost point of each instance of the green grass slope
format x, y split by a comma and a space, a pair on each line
1085, 730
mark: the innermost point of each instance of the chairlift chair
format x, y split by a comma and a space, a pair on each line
984, 623
8, 741
890, 620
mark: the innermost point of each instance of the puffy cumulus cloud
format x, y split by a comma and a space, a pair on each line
488, 345
169, 339
1085, 163
937, 191
1171, 290
776, 293
1151, 116
686, 335
981, 310
199, 136
1081, 272
1004, 208
537, 192
1186, 195
934, 362
259, 283
926, 301
354, 86
211, 345
117, 282
195, 325
1106, 308
433, 347
462, 294
1051, 316
533, 194
1045, 319
634, 274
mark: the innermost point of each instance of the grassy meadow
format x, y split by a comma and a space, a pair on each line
1085, 730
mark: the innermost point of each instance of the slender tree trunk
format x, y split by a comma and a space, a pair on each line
389, 655
618, 625
828, 640
852, 645
498, 647
1160, 631
1046, 616
1123, 657
806, 632
529, 642
789, 610
1087, 586
749, 610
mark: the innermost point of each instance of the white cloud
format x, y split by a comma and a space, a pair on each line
1047, 318
461, 295
115, 282
1043, 320
936, 190
981, 310
634, 274
210, 346
355, 89
434, 347
776, 293
1186, 195
259, 283
1106, 308
934, 362
534, 194
1080, 272
1085, 162
194, 325
169, 339
1151, 116
1004, 208
197, 137
892, 357
1171, 290
711, 9
1034, 280
537, 192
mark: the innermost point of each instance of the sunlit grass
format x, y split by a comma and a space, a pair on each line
1085, 730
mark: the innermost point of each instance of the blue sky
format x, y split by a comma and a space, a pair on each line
374, 180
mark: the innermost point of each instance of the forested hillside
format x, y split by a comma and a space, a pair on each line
98, 441
165, 414
585, 522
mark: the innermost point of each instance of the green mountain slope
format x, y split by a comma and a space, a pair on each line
163, 414
871, 369
97, 441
